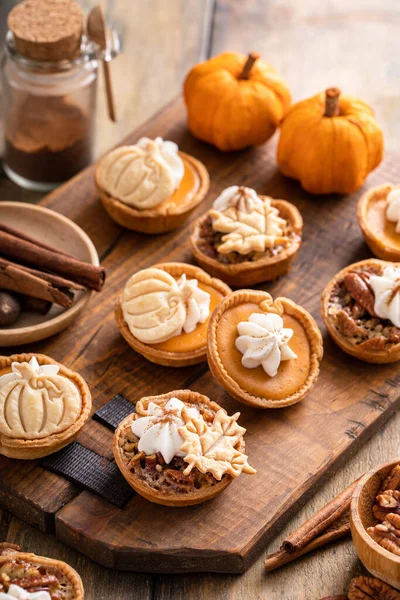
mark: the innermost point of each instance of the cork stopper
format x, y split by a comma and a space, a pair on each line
47, 30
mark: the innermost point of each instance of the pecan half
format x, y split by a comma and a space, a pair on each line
358, 287
394, 336
178, 478
40, 581
370, 588
392, 481
387, 503
347, 326
386, 535
375, 343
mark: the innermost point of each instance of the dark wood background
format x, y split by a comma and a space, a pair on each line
314, 45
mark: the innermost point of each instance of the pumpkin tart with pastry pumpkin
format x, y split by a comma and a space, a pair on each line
163, 312
43, 405
246, 238
180, 448
378, 214
151, 186
265, 353
361, 310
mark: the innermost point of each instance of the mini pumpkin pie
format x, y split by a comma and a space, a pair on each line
43, 405
26, 576
264, 353
180, 448
379, 218
246, 238
150, 187
163, 312
361, 309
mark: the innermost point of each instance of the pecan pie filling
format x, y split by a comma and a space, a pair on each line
352, 306
152, 469
35, 578
210, 240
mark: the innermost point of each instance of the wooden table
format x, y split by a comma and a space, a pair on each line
314, 45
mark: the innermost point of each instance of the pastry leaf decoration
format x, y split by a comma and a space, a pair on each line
211, 447
251, 231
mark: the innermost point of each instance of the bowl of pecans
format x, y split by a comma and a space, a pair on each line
375, 522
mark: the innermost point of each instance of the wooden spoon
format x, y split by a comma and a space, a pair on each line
97, 31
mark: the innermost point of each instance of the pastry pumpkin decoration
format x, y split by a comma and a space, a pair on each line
234, 102
330, 143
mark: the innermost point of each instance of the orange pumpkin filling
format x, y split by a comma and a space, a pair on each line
291, 375
187, 189
379, 225
187, 342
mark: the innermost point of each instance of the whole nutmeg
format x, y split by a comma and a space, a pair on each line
10, 308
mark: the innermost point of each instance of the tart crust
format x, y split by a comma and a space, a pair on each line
378, 237
159, 355
156, 496
252, 272
379, 356
37, 448
70, 573
160, 219
263, 302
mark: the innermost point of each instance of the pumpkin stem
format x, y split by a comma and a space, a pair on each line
332, 102
251, 59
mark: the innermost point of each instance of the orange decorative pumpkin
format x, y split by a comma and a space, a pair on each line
330, 143
234, 101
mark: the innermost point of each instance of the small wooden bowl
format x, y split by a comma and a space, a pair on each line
380, 562
64, 234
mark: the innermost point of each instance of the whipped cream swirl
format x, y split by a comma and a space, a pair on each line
18, 593
386, 288
143, 175
158, 432
157, 307
393, 208
264, 341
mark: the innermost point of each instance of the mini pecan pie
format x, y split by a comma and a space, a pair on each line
246, 238
150, 187
43, 405
163, 312
29, 577
379, 218
361, 309
265, 353
180, 448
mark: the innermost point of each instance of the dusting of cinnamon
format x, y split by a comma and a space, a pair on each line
332, 102
251, 59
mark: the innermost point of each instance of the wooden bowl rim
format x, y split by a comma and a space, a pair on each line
355, 515
69, 313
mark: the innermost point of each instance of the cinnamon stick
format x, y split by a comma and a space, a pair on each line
19, 247
18, 280
319, 522
333, 533
28, 238
35, 305
55, 280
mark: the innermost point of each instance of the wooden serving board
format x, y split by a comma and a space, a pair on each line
293, 449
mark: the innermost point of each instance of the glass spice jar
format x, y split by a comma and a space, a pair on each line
49, 115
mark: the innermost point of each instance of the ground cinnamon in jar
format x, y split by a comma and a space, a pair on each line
49, 84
